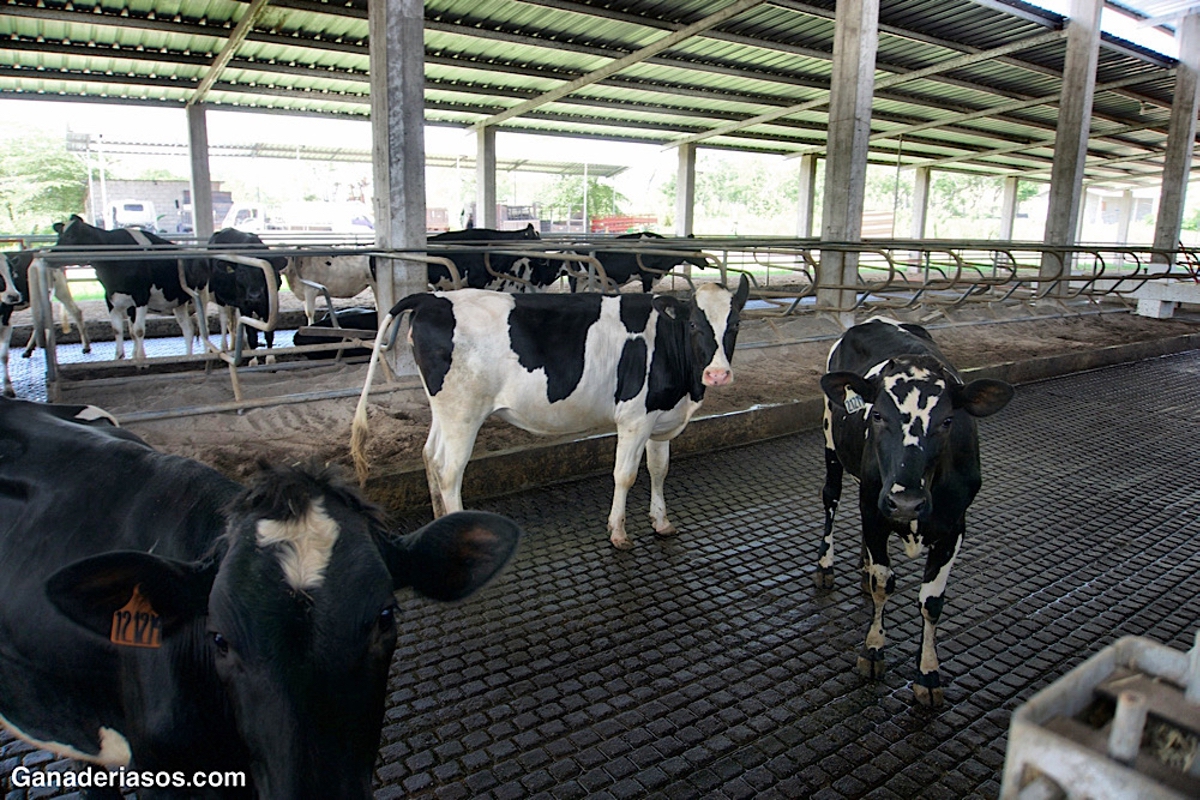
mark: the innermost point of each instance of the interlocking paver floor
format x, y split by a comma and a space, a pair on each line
706, 665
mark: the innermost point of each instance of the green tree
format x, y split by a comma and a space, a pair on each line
602, 199
40, 184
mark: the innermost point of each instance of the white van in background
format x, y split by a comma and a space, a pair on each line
134, 214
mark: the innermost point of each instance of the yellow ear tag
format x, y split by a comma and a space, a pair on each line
136, 624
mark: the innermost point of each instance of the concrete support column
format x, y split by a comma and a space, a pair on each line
485, 177
202, 198
806, 206
685, 190
398, 142
920, 201
1008, 208
1181, 136
855, 41
1070, 146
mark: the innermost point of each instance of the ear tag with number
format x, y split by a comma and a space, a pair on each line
854, 403
136, 624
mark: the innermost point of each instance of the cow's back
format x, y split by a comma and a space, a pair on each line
69, 490
547, 363
879, 339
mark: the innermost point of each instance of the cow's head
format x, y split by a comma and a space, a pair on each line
913, 409
75, 232
295, 615
713, 315
10, 294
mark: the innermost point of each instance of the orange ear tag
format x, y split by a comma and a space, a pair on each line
136, 624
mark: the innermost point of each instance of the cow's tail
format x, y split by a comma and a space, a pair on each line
359, 433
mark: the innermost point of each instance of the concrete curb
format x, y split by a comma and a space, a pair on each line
522, 468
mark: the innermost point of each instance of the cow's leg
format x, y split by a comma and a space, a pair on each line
184, 318
928, 686
879, 583
831, 495
117, 316
62, 292
631, 443
658, 461
137, 332
310, 303
447, 451
226, 317
5, 337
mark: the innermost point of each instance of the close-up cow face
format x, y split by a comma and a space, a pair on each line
912, 408
303, 664
287, 628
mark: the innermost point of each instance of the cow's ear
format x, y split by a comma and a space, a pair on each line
835, 384
58, 227
742, 293
665, 305
983, 397
91, 590
452, 557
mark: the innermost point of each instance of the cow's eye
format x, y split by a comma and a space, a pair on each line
947, 422
220, 642
387, 619
876, 416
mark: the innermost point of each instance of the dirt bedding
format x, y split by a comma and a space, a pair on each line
771, 366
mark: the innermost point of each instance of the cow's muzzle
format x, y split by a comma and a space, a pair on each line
904, 506
718, 376
12, 298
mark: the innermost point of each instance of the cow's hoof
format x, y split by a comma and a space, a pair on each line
823, 578
667, 530
87, 348
621, 542
927, 689
871, 663
9, 393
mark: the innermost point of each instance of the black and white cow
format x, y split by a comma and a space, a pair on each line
342, 276
14, 296
156, 615
241, 289
622, 266
134, 286
899, 418
558, 364
530, 272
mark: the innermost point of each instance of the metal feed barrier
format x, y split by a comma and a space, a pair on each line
892, 275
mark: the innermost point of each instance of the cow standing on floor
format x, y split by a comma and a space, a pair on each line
473, 262
899, 418
241, 289
134, 286
342, 276
558, 364
14, 296
622, 266
158, 616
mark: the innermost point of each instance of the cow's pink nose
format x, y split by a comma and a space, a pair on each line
717, 377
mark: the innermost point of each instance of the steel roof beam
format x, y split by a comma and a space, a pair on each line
892, 80
733, 9
244, 26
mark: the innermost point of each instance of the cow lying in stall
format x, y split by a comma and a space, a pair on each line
156, 615
241, 289
557, 364
14, 296
342, 276
510, 273
900, 420
622, 266
134, 286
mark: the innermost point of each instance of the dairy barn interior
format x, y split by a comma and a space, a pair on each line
726, 659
